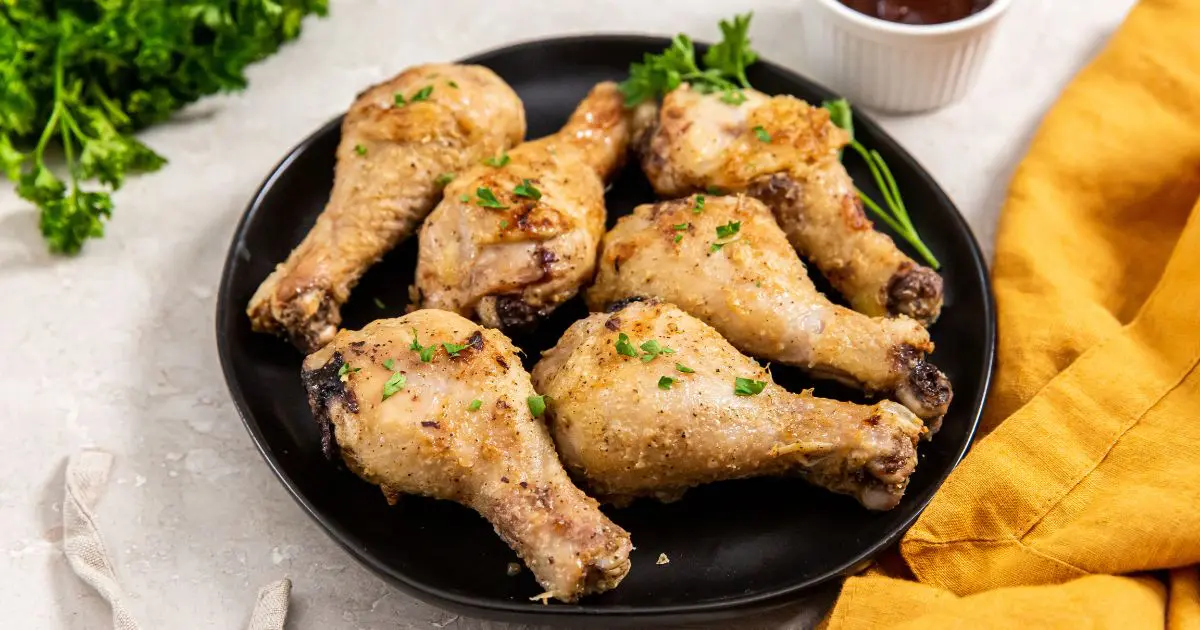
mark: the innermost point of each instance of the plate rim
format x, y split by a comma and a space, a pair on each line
487, 607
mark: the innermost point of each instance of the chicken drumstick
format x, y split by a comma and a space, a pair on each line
432, 404
699, 411
398, 139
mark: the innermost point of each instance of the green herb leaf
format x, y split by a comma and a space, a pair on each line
762, 134
747, 387
733, 53
665, 382
389, 364
421, 95
725, 64
498, 161
624, 347
398, 99
699, 205
464, 198
452, 84
683, 368
360, 149
537, 405
652, 349
443, 179
678, 238
525, 189
841, 115
504, 225
454, 348
733, 97
394, 384
729, 229
346, 369
475, 405
485, 198
681, 227
425, 352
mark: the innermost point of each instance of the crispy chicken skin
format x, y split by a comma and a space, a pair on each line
509, 267
617, 428
385, 183
696, 141
754, 290
425, 439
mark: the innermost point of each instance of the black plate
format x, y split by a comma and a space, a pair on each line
735, 546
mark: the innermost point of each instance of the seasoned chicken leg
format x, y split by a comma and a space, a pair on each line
510, 243
785, 152
398, 138
452, 420
729, 264
699, 411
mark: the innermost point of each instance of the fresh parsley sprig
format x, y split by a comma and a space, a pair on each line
896, 214
725, 66
86, 75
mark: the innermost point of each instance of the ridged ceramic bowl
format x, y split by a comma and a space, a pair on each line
891, 67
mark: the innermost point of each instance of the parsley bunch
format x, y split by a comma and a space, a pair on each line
84, 74
725, 66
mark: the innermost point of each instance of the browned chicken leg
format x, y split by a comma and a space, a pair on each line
432, 404
785, 152
728, 263
699, 411
398, 139
511, 242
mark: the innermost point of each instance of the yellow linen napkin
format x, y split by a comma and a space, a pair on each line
1090, 464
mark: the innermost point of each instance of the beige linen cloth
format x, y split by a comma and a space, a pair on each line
87, 474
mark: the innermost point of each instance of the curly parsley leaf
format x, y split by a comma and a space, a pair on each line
733, 53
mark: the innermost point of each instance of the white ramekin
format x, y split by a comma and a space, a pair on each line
894, 67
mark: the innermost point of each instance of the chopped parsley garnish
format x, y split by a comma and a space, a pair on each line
624, 347
499, 160
504, 225
666, 382
525, 189
464, 198
733, 97
747, 387
393, 385
389, 364
443, 179
537, 405
475, 405
346, 369
426, 352
725, 235
699, 206
454, 348
681, 227
360, 149
762, 134
485, 198
452, 84
683, 368
678, 238
398, 98
653, 349
421, 95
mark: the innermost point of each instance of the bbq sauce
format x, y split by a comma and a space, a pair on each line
918, 11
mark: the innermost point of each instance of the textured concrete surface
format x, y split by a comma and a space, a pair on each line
115, 350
